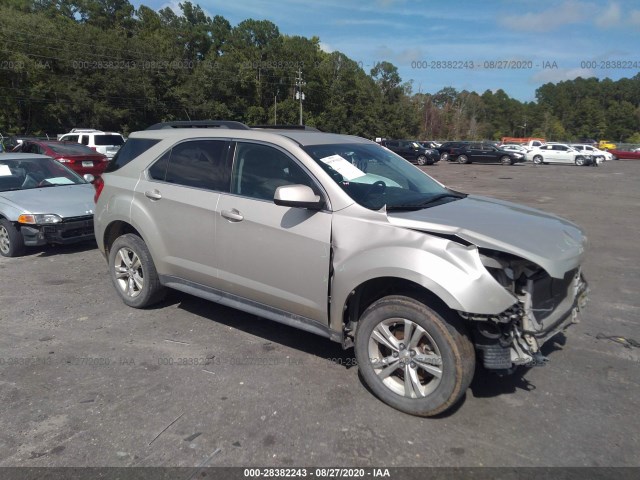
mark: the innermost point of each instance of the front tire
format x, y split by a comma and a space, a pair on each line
411, 357
444, 156
11, 240
538, 160
421, 160
506, 160
133, 273
463, 159
580, 161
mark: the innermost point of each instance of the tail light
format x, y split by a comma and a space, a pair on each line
98, 184
64, 160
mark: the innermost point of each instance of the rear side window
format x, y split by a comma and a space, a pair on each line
107, 140
130, 150
196, 163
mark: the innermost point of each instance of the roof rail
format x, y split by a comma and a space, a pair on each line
287, 127
200, 124
86, 130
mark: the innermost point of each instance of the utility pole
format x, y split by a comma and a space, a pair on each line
299, 94
275, 108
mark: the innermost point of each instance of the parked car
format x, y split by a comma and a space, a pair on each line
77, 157
624, 154
412, 151
106, 143
606, 145
429, 144
413, 275
449, 148
512, 147
595, 152
485, 153
41, 202
559, 153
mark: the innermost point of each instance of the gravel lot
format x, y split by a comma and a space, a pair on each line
87, 381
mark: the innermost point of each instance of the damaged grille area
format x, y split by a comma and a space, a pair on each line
548, 292
545, 306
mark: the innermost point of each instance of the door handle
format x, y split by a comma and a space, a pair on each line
232, 215
153, 194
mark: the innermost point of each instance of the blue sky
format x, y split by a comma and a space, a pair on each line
598, 38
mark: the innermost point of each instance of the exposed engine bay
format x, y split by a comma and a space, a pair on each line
545, 307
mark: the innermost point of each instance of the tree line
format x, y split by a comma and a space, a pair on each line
105, 64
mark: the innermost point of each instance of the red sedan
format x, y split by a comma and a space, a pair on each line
76, 156
625, 155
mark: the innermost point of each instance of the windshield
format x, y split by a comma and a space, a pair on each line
374, 177
28, 173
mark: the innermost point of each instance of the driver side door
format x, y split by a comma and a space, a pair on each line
273, 255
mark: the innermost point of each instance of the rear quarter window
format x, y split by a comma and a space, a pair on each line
108, 140
131, 149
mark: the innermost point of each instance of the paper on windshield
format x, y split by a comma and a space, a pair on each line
60, 181
5, 171
343, 166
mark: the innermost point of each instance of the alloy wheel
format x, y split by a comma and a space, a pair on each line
405, 358
128, 272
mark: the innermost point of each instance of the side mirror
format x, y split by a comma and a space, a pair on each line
89, 178
300, 196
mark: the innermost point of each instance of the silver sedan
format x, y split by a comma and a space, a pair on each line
42, 202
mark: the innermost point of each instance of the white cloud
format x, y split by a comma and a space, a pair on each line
570, 12
611, 17
634, 18
325, 47
555, 75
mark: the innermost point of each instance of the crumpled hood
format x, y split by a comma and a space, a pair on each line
551, 242
65, 200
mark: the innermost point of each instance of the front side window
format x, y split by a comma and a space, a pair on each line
374, 177
195, 163
258, 170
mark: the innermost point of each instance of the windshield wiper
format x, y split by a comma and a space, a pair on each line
428, 201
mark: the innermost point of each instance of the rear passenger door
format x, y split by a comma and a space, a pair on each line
178, 195
273, 255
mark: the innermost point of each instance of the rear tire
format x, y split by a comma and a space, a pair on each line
421, 160
580, 161
133, 273
11, 240
433, 357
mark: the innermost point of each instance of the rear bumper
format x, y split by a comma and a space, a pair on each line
70, 231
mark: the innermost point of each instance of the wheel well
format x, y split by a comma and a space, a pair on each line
370, 291
115, 230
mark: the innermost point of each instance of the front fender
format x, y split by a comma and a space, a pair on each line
451, 271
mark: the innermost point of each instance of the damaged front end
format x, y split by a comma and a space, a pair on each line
546, 306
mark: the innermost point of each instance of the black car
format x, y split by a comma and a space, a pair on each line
485, 153
448, 149
429, 144
412, 151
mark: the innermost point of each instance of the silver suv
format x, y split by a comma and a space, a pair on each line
336, 235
